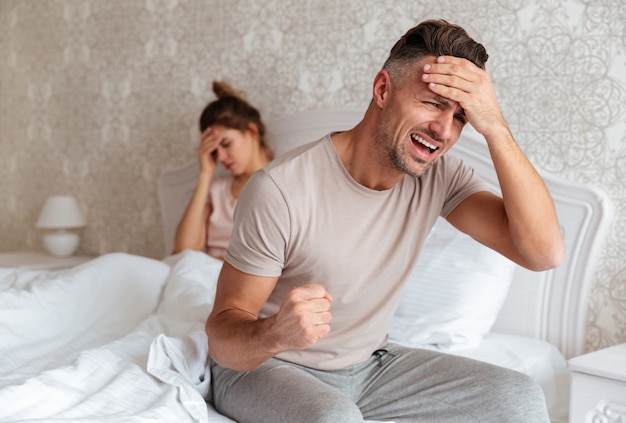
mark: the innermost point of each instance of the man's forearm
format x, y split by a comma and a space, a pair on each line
532, 218
238, 341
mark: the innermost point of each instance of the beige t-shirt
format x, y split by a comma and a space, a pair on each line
221, 220
303, 218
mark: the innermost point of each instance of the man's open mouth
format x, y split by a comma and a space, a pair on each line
419, 140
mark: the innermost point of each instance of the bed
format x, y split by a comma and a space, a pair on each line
121, 338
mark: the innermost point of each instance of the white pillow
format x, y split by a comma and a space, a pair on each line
454, 293
189, 290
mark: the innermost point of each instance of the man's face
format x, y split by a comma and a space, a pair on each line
418, 126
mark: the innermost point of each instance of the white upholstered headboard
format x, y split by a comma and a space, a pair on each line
548, 305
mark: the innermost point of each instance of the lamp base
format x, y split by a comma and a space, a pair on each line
61, 243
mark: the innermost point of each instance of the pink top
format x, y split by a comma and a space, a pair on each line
221, 219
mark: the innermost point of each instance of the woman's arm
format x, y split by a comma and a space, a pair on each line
192, 230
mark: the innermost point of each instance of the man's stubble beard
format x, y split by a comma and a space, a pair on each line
395, 155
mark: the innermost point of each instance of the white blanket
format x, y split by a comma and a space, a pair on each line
119, 339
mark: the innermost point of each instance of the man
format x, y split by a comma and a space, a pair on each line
325, 237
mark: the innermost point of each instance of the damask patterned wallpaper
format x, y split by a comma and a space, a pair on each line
97, 98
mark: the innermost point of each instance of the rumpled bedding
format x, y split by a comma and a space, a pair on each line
121, 339
117, 339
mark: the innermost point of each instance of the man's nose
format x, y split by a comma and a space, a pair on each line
442, 125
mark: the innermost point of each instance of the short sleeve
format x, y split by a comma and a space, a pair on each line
462, 182
261, 227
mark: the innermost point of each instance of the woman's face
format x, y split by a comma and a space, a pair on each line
236, 150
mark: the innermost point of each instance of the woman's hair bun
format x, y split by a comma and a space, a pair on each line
224, 89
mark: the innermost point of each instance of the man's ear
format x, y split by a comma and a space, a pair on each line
382, 85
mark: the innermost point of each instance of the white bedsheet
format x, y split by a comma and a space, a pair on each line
75, 345
121, 339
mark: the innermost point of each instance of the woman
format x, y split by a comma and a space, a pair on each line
233, 135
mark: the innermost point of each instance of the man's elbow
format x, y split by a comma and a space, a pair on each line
547, 257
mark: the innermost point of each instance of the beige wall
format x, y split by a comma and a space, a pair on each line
97, 98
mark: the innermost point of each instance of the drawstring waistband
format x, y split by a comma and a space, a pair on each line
379, 356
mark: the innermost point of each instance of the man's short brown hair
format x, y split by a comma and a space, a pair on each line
433, 38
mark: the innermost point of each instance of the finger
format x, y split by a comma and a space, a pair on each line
311, 291
318, 332
210, 143
452, 71
207, 131
207, 148
448, 92
456, 64
449, 80
209, 138
321, 331
318, 305
324, 318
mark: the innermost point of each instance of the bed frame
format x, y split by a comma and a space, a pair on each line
550, 305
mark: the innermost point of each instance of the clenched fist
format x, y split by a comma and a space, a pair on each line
303, 318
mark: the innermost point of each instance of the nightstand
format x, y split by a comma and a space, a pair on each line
38, 260
599, 386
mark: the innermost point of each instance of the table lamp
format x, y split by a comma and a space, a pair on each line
60, 213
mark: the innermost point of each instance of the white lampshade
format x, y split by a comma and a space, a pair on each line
61, 212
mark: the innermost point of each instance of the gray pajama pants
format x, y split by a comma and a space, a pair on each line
401, 385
